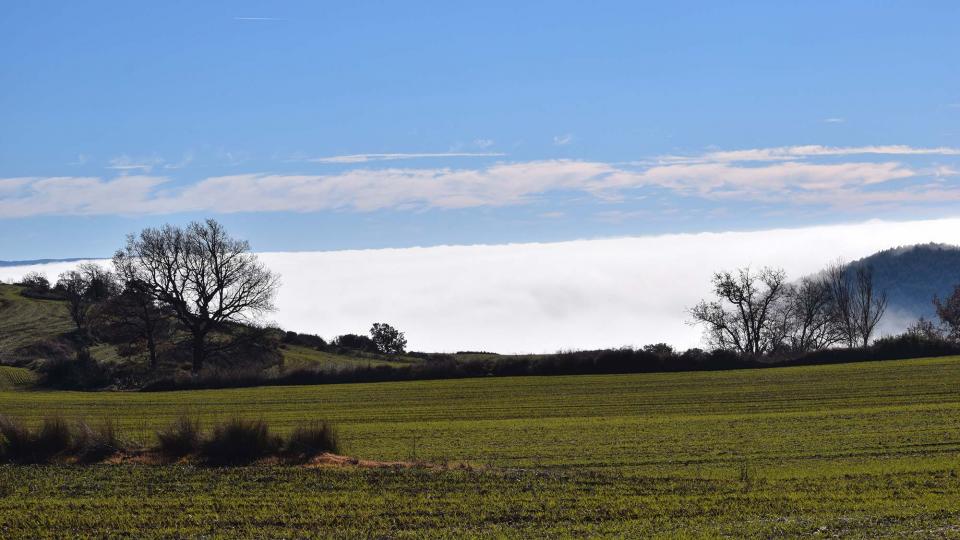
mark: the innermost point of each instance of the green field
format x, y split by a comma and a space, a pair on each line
862, 450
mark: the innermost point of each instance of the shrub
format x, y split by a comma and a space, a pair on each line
180, 438
35, 282
355, 342
238, 441
92, 444
311, 439
80, 373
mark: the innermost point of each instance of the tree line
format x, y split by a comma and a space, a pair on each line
759, 313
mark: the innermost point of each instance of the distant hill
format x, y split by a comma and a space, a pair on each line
912, 276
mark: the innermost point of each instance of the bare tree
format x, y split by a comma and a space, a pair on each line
135, 318
749, 314
84, 287
203, 275
948, 311
841, 299
868, 304
811, 314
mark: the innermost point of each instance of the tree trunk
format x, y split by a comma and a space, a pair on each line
152, 348
199, 351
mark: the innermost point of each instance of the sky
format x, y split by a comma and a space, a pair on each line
544, 297
318, 126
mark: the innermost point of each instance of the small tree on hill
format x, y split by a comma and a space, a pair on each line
388, 339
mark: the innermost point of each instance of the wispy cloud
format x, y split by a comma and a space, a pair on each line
82, 159
785, 176
483, 143
563, 140
781, 153
834, 120
127, 163
365, 158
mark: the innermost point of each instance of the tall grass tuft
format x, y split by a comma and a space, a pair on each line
311, 439
20, 444
15, 439
179, 439
95, 443
238, 441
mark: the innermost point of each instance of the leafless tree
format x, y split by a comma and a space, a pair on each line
84, 287
749, 314
812, 315
948, 311
135, 318
203, 275
868, 303
857, 305
841, 298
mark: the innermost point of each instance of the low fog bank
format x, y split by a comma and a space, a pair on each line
544, 297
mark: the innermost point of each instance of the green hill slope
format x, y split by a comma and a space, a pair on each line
26, 323
35, 330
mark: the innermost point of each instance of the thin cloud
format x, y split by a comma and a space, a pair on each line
127, 163
785, 176
366, 158
835, 120
483, 143
807, 151
563, 140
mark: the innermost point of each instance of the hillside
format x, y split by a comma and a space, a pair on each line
913, 275
34, 330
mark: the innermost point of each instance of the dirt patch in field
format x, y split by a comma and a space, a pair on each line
335, 460
147, 457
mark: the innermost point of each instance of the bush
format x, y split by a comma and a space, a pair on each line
35, 282
81, 373
179, 439
312, 439
238, 441
355, 342
95, 443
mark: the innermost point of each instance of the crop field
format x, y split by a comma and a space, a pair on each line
855, 450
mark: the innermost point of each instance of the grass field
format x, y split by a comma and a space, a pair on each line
860, 450
26, 321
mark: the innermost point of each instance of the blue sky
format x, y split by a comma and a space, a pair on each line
313, 126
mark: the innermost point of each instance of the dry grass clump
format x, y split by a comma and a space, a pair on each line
179, 439
314, 438
238, 441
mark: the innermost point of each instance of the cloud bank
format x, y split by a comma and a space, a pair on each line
544, 297
790, 176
